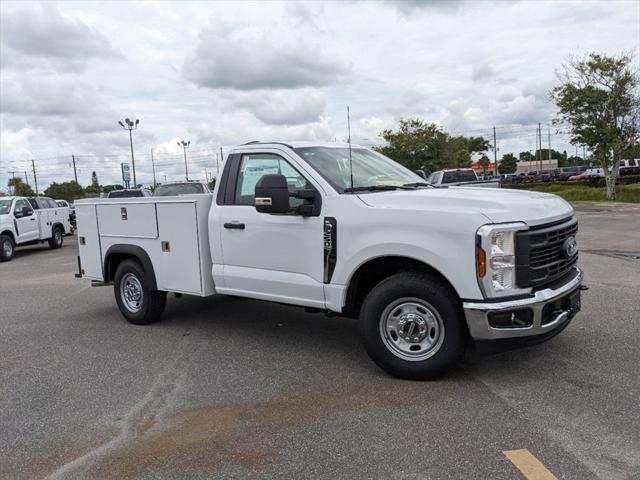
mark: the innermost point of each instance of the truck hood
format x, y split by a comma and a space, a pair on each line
498, 205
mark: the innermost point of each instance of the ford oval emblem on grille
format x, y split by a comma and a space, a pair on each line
570, 247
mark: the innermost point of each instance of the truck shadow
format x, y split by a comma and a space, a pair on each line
274, 327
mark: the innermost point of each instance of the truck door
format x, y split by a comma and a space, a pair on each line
271, 257
25, 222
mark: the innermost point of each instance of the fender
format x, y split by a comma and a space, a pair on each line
130, 251
58, 224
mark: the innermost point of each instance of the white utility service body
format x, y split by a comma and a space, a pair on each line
346, 251
21, 224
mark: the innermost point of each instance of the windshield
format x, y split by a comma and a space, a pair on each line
370, 169
178, 189
455, 176
5, 206
124, 194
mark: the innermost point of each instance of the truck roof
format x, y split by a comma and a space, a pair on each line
300, 144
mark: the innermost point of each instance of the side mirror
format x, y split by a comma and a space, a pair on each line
26, 212
272, 194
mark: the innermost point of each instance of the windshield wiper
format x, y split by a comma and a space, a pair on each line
417, 184
377, 188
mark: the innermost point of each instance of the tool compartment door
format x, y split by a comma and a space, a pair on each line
125, 219
178, 267
89, 241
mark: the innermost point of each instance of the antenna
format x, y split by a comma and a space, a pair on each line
349, 141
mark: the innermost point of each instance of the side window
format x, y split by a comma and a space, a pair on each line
42, 202
20, 204
254, 166
33, 203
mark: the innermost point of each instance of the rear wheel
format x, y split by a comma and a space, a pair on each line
6, 248
412, 326
137, 302
56, 238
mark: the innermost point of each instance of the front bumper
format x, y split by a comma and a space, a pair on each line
543, 320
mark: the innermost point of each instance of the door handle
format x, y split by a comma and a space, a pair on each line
33, 219
234, 225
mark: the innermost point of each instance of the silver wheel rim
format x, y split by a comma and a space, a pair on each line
58, 237
131, 292
412, 329
7, 248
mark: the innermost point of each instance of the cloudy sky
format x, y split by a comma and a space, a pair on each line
224, 73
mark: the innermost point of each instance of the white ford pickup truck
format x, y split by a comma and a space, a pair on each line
347, 231
27, 221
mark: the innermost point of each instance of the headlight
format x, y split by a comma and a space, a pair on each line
496, 259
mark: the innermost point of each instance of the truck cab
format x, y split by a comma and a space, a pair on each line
344, 230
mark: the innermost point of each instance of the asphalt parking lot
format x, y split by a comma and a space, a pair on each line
234, 388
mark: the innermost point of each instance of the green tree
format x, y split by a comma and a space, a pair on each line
598, 97
19, 188
66, 190
212, 183
484, 163
526, 157
508, 164
420, 145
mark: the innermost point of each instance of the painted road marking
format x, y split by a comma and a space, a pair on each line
530, 466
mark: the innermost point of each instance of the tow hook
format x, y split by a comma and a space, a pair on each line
584, 288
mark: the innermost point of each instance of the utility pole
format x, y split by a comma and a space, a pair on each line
495, 153
35, 178
131, 125
184, 146
584, 156
26, 177
153, 167
540, 143
549, 145
75, 173
217, 167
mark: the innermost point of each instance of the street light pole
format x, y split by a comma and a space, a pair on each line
184, 146
131, 125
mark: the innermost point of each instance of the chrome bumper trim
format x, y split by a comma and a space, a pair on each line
476, 313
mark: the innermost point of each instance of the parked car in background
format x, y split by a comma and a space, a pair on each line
578, 178
526, 177
137, 192
27, 221
459, 176
629, 167
594, 173
181, 188
567, 172
508, 178
544, 176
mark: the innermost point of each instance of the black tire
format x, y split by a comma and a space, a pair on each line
435, 308
152, 302
56, 238
7, 247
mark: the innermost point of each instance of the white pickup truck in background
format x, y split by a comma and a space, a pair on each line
459, 177
27, 221
346, 231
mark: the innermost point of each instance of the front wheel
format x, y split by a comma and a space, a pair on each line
412, 326
137, 302
6, 248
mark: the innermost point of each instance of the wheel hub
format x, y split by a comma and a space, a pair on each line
412, 328
131, 292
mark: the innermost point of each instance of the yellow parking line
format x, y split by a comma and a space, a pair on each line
530, 466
